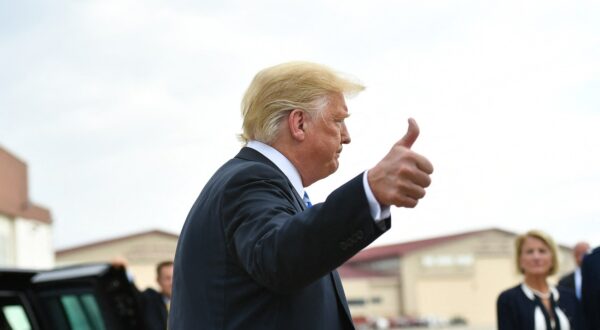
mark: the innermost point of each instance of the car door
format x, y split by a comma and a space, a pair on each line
92, 296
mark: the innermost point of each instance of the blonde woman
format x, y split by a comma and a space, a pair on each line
535, 304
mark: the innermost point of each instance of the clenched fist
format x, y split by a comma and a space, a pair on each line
401, 177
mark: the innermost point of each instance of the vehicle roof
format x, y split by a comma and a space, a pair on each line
15, 279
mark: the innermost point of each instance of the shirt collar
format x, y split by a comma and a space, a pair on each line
281, 162
531, 295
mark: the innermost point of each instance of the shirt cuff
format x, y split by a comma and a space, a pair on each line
378, 211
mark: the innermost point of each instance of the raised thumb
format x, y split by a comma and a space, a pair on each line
412, 133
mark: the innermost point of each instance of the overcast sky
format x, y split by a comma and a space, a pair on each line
123, 109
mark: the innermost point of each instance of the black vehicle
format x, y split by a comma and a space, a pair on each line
93, 296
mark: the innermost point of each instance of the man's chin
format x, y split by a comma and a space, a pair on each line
331, 169
335, 166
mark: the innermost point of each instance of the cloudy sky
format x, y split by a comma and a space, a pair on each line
124, 108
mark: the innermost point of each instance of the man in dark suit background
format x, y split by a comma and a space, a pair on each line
155, 304
590, 289
254, 253
572, 280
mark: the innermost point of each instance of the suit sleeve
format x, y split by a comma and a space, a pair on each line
285, 249
505, 313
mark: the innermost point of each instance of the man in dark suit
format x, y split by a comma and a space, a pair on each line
572, 281
155, 304
254, 253
590, 289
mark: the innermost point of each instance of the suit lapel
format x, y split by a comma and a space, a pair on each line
299, 202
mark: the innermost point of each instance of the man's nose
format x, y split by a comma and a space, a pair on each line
345, 134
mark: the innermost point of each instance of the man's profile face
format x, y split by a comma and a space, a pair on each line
326, 133
165, 280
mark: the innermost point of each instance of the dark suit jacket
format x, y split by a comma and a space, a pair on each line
568, 281
515, 310
250, 256
590, 288
155, 310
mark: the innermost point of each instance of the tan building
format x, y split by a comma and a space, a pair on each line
443, 278
25, 227
142, 252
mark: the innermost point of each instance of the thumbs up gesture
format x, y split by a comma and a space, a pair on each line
401, 177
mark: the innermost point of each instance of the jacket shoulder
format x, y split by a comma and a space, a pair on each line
510, 294
150, 293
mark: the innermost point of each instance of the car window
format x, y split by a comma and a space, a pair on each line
16, 318
13, 315
75, 311
86, 297
91, 306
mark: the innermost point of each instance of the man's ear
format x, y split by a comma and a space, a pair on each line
297, 124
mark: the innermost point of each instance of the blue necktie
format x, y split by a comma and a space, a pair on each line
307, 200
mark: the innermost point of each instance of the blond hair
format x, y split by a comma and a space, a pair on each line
542, 236
277, 90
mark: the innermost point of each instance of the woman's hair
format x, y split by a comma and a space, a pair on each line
277, 90
542, 236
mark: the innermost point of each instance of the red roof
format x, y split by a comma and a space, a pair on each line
397, 250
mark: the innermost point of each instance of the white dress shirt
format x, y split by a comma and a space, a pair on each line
577, 278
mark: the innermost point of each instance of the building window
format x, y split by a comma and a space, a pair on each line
445, 260
465, 260
428, 261
376, 300
356, 302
